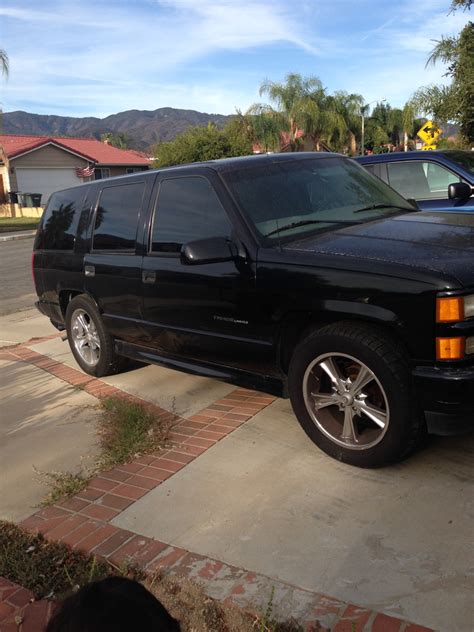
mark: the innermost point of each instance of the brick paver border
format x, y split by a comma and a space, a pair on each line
82, 521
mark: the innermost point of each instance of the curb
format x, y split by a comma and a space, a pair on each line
14, 236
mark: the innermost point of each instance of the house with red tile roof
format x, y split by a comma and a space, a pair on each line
41, 164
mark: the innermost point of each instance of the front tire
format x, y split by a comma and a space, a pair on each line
350, 388
89, 340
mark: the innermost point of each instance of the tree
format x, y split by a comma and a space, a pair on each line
437, 102
293, 105
240, 134
456, 101
119, 140
465, 4
4, 62
200, 143
408, 119
265, 129
464, 82
301, 108
350, 108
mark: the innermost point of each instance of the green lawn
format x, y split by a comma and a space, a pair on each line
12, 224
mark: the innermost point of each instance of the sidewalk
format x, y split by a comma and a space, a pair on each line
91, 520
21, 234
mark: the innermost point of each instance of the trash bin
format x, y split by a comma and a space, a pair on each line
30, 199
13, 195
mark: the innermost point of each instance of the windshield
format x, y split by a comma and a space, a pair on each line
464, 158
288, 199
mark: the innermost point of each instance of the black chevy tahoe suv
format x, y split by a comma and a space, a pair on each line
296, 274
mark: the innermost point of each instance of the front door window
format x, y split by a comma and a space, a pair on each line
187, 209
421, 180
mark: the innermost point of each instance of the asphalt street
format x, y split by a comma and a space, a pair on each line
17, 291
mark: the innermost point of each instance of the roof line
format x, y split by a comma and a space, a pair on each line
22, 152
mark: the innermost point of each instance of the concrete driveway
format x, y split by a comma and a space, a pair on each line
264, 498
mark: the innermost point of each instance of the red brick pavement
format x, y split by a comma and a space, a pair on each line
82, 521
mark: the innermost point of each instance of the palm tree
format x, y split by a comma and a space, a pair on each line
438, 102
294, 105
323, 120
446, 50
4, 63
349, 106
303, 109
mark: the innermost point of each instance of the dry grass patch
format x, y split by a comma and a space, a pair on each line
53, 570
128, 430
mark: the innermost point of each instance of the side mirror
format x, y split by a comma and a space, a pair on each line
211, 250
459, 190
414, 203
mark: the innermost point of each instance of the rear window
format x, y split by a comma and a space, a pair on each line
116, 219
60, 219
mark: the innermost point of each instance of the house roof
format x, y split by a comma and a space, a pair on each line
89, 148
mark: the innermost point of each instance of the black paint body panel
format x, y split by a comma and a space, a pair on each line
234, 318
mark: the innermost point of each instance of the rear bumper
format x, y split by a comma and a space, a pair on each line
52, 311
448, 390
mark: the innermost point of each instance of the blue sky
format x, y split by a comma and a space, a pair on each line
98, 58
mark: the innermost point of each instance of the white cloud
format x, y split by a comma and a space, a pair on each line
111, 56
125, 48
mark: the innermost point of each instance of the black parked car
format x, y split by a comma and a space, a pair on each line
296, 274
438, 180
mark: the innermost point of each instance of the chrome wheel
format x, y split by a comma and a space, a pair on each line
346, 401
85, 338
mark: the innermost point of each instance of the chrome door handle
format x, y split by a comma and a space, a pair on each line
89, 271
148, 276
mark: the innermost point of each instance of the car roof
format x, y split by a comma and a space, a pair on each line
220, 165
451, 158
228, 164
411, 155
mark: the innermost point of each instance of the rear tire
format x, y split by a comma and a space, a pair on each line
89, 340
350, 388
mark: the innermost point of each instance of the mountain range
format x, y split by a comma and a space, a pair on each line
144, 128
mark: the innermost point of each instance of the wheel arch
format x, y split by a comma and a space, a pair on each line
66, 295
296, 325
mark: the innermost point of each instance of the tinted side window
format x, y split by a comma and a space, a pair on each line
419, 179
439, 178
187, 209
116, 219
59, 223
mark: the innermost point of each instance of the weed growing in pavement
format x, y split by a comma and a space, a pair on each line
126, 431
267, 622
61, 485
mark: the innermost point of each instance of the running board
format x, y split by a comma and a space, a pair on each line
272, 384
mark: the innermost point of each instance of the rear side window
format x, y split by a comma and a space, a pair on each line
188, 209
60, 219
116, 219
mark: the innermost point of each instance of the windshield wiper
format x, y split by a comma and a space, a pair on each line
307, 222
374, 207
